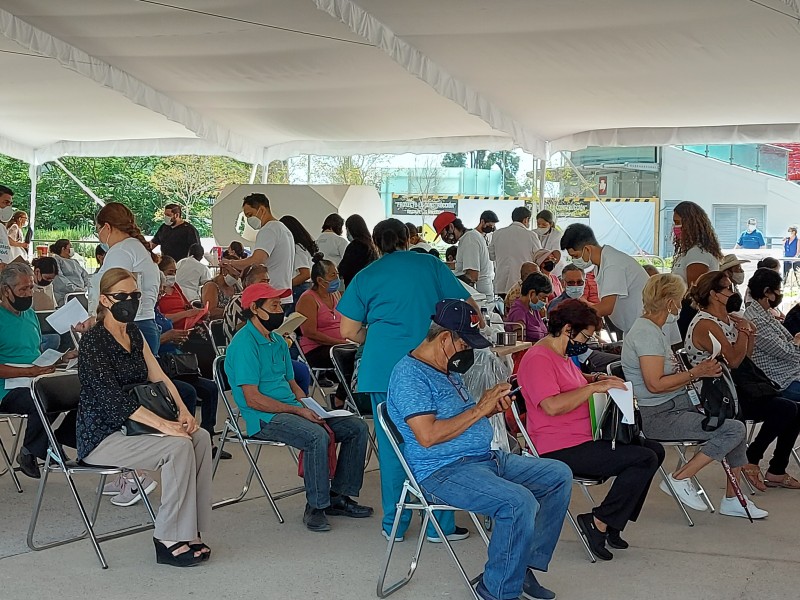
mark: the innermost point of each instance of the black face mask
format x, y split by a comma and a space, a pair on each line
461, 361
20, 303
274, 321
734, 303
548, 265
125, 311
449, 237
776, 302
576, 348
44, 282
488, 229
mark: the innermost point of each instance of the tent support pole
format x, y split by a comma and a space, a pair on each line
81, 185
264, 173
542, 179
253, 172
33, 173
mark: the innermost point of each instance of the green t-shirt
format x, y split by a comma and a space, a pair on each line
20, 340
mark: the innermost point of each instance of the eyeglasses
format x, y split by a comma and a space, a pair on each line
122, 296
572, 283
586, 336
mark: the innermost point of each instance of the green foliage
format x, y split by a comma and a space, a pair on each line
483, 159
458, 159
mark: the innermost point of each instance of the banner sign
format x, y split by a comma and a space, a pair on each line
430, 206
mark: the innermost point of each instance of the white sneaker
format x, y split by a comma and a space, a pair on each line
399, 538
730, 507
129, 494
113, 487
686, 492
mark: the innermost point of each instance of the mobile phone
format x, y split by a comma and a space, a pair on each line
514, 391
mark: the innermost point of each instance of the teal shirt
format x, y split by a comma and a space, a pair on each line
252, 359
20, 340
395, 297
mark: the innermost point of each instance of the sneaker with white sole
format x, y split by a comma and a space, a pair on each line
686, 492
399, 538
731, 507
460, 533
129, 494
113, 487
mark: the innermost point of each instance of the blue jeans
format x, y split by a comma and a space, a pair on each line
792, 392
302, 375
351, 435
392, 479
526, 497
151, 333
50, 341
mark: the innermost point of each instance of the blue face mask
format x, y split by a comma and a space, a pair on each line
536, 305
105, 247
574, 291
334, 285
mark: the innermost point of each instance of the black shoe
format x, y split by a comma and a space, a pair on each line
165, 556
28, 465
315, 519
595, 537
224, 456
345, 506
614, 540
325, 382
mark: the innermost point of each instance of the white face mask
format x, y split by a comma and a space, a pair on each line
580, 262
541, 230
737, 278
751, 228
6, 213
671, 318
71, 252
168, 221
574, 291
169, 280
254, 222
231, 280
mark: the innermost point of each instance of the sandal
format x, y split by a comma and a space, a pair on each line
753, 475
788, 482
165, 556
201, 547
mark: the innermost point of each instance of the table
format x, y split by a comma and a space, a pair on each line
509, 350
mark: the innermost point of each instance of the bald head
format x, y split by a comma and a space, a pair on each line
527, 268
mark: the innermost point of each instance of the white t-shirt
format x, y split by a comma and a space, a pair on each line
552, 241
332, 246
694, 256
15, 233
5, 247
510, 247
473, 254
621, 275
130, 254
302, 259
191, 275
276, 240
422, 246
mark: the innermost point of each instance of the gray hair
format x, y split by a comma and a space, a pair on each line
570, 267
10, 276
434, 330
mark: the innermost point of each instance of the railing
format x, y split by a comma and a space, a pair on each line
762, 158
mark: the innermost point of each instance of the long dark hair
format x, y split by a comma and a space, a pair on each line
58, 246
390, 235
300, 234
696, 230
358, 230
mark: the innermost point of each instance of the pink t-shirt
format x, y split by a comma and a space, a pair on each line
328, 321
542, 374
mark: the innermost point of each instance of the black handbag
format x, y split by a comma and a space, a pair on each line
156, 398
176, 366
612, 428
751, 382
719, 400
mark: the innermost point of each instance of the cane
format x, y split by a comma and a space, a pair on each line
736, 489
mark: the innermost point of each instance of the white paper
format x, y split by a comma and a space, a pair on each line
322, 413
716, 347
47, 358
624, 399
72, 363
67, 316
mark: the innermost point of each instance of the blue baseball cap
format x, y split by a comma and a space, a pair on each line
460, 318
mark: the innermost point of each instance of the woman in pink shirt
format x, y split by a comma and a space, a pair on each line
557, 398
321, 328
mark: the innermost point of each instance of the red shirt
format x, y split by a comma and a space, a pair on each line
590, 291
176, 302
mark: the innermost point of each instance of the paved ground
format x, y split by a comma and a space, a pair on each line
254, 557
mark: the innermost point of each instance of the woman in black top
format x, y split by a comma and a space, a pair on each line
359, 252
113, 355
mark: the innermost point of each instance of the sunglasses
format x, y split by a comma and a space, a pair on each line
122, 296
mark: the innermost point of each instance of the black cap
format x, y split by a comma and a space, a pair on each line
460, 318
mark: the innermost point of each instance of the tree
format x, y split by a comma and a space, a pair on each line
425, 179
362, 169
507, 161
457, 160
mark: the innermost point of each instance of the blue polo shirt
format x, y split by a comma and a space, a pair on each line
395, 297
751, 240
252, 359
20, 340
416, 388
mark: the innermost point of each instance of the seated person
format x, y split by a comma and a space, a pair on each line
191, 273
767, 263
20, 345
731, 265
173, 303
321, 328
557, 397
574, 283
667, 409
528, 308
233, 321
447, 444
450, 257
515, 292
114, 355
792, 320
45, 270
218, 291
72, 277
260, 373
547, 260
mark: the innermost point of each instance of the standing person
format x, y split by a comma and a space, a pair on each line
6, 212
547, 261
473, 264
191, 274
330, 242
751, 238
361, 250
304, 249
791, 249
417, 244
16, 239
175, 236
127, 249
45, 271
390, 320
72, 277
99, 255
487, 224
511, 247
274, 247
549, 235
620, 279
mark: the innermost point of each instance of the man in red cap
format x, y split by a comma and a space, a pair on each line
260, 372
472, 259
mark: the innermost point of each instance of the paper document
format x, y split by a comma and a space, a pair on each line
47, 358
716, 347
68, 316
292, 322
624, 399
321, 412
192, 321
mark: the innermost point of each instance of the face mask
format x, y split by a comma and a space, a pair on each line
676, 231
349, 237
751, 228
334, 285
576, 348
169, 280
6, 213
776, 302
231, 280
542, 230
671, 318
737, 278
548, 265
734, 303
168, 221
254, 222
575, 291
488, 229
125, 311
43, 282
461, 361
103, 245
580, 262
274, 321
449, 237
20, 303
536, 305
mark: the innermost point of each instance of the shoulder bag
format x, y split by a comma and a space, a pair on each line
719, 399
156, 398
752, 382
612, 428
178, 366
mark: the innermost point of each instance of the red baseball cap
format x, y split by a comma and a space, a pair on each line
259, 291
442, 220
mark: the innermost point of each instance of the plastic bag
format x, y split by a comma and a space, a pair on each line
487, 372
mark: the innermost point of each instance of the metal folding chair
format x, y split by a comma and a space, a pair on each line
341, 355
316, 373
16, 433
58, 393
81, 296
232, 432
217, 334
413, 498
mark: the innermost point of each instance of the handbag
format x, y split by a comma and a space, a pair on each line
752, 382
719, 399
614, 430
156, 398
176, 366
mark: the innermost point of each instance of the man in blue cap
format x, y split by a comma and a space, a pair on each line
448, 448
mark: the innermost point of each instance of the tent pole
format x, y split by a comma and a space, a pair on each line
542, 179
253, 172
33, 173
81, 185
264, 173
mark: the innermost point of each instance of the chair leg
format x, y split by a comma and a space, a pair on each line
674, 495
382, 590
796, 455
467, 581
701, 491
10, 467
582, 539
588, 495
262, 483
145, 499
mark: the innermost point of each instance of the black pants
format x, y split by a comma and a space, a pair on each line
320, 358
193, 388
35, 442
633, 465
779, 418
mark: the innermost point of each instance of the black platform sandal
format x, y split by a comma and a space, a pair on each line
165, 556
200, 548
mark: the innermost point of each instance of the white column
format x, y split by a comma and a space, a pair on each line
34, 177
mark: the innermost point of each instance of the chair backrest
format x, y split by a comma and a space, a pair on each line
518, 409
223, 386
81, 296
218, 337
44, 326
615, 369
395, 439
683, 356
342, 357
52, 394
76, 337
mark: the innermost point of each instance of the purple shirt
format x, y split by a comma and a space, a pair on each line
520, 312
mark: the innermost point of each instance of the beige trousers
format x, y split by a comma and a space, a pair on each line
185, 477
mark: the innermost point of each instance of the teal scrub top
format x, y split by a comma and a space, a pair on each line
395, 297
252, 359
20, 340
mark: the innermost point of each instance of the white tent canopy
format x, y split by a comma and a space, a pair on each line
267, 79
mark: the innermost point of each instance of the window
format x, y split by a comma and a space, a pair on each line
730, 220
